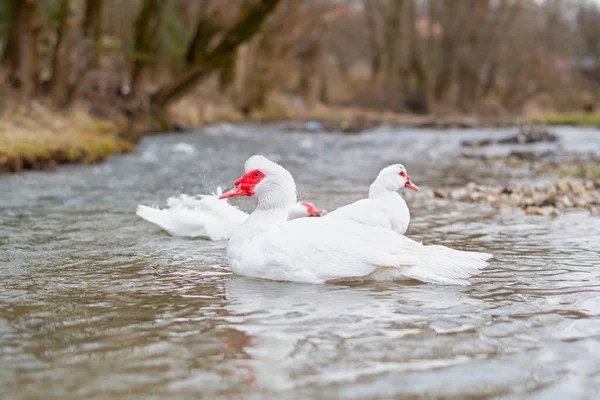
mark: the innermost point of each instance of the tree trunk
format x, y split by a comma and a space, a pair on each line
240, 77
248, 25
310, 73
394, 38
416, 67
92, 20
373, 32
92, 27
469, 73
147, 26
505, 19
450, 23
226, 75
9, 55
61, 59
206, 29
86, 46
431, 58
21, 54
490, 80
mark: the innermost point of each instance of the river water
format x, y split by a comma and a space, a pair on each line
97, 303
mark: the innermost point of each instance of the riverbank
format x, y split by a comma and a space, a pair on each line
36, 137
566, 181
547, 199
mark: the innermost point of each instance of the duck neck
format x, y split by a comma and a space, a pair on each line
267, 217
278, 194
259, 222
394, 203
378, 190
276, 201
274, 205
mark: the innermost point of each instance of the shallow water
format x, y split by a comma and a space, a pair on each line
97, 303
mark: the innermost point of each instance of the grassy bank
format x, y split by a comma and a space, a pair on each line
573, 119
38, 138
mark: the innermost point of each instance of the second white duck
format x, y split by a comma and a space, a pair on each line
384, 207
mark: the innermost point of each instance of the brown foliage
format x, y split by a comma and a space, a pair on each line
467, 56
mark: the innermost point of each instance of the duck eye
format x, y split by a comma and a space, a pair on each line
257, 175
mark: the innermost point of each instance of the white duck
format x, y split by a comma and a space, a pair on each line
384, 207
318, 250
207, 216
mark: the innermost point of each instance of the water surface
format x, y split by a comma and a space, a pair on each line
97, 303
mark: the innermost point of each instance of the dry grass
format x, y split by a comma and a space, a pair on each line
40, 137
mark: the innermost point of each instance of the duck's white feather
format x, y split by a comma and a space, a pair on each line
366, 211
203, 216
321, 250
313, 250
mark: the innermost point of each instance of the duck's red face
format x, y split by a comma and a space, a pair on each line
245, 185
313, 211
408, 184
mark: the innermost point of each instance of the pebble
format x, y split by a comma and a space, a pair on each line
438, 194
546, 200
532, 210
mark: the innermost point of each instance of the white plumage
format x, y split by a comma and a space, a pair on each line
206, 216
384, 207
318, 250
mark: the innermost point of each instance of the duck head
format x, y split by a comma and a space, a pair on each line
395, 177
272, 184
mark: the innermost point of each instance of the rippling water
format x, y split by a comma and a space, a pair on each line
96, 303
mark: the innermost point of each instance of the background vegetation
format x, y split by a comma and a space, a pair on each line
157, 64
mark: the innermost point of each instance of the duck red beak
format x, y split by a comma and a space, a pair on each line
410, 185
313, 211
235, 192
245, 185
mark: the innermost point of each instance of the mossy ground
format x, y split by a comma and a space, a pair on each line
36, 138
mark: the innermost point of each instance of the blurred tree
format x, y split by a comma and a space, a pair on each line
248, 25
468, 66
61, 59
417, 55
373, 14
147, 28
92, 21
394, 38
433, 35
92, 26
21, 50
207, 27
